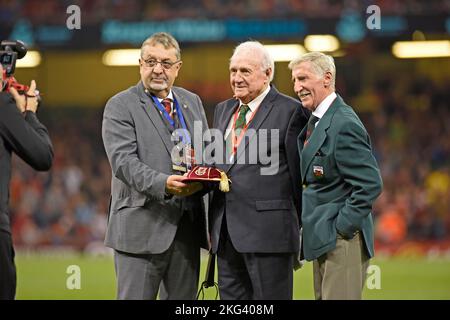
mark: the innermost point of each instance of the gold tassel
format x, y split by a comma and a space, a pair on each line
224, 185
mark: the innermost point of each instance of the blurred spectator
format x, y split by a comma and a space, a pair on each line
67, 206
96, 11
410, 132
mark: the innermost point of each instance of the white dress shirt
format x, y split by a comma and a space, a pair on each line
323, 106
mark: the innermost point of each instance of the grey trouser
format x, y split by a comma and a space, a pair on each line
175, 271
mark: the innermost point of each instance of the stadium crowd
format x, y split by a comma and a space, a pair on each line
67, 206
95, 11
410, 134
407, 120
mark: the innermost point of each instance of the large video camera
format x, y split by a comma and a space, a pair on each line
10, 51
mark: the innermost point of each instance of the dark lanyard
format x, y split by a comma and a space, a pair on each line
186, 139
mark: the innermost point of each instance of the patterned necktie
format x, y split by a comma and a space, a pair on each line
167, 103
311, 126
238, 126
241, 121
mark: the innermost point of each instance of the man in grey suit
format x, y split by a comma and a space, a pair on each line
255, 226
156, 222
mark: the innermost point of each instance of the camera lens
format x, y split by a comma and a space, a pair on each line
6, 59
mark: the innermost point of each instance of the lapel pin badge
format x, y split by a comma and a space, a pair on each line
318, 172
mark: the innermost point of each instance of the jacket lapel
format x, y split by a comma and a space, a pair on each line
301, 139
150, 109
317, 137
228, 111
185, 109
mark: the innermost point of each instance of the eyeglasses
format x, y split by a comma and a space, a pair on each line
151, 63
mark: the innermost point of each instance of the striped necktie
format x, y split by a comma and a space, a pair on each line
310, 128
167, 103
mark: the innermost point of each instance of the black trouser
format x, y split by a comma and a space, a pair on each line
253, 276
7, 268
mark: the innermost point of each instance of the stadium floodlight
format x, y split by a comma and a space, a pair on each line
421, 49
285, 52
121, 57
322, 43
31, 60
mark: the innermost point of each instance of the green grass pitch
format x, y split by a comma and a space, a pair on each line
44, 277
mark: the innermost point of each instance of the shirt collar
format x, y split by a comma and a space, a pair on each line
324, 105
169, 96
257, 101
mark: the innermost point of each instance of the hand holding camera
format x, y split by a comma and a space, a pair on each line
27, 97
27, 101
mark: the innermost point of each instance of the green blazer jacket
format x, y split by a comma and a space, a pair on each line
341, 180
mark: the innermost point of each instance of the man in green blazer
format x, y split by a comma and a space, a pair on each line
341, 180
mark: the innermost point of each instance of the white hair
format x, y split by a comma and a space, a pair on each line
256, 46
320, 63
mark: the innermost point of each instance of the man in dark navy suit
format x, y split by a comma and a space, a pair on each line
255, 226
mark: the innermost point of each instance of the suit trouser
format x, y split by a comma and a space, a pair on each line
253, 276
341, 273
174, 272
7, 268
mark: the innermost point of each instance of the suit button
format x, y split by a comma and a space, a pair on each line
304, 186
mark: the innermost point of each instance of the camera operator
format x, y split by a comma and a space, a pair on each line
21, 133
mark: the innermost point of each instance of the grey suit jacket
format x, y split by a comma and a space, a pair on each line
262, 211
138, 145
